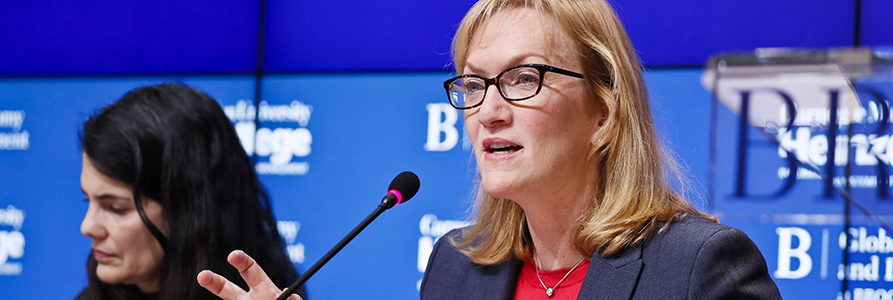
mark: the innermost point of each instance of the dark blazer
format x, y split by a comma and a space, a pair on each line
692, 258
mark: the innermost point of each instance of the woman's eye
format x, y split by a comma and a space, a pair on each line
474, 87
527, 79
117, 209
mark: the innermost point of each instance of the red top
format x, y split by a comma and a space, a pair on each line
529, 287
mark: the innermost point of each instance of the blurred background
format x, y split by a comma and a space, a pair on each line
334, 98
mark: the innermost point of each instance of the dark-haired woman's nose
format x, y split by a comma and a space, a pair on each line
92, 226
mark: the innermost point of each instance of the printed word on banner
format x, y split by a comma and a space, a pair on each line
289, 231
12, 136
432, 229
277, 146
871, 252
12, 241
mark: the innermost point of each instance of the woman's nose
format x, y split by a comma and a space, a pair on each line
494, 110
91, 226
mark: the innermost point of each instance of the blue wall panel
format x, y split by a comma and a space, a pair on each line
877, 23
60, 37
361, 35
127, 37
680, 33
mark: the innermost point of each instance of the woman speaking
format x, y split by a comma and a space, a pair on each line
577, 197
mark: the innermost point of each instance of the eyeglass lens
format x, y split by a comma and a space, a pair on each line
515, 84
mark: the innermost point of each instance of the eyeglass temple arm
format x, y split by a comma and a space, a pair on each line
563, 71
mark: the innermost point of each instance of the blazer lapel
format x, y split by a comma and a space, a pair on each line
612, 278
499, 282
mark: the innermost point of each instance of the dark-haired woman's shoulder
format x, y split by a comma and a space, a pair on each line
85, 294
706, 260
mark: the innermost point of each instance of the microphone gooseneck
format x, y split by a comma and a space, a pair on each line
402, 188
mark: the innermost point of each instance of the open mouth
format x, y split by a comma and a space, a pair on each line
503, 148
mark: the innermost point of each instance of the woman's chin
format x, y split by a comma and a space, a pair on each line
500, 189
107, 276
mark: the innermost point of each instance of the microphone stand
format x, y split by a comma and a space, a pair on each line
386, 203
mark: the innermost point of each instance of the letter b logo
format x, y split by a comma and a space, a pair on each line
438, 125
786, 253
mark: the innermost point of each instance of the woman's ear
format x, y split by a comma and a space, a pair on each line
603, 131
605, 134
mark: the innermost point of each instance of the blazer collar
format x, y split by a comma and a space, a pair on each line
614, 277
504, 283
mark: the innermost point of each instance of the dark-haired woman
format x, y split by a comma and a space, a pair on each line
171, 192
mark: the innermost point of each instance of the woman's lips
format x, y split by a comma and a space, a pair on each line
500, 156
496, 149
501, 146
101, 256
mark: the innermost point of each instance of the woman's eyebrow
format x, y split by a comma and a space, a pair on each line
107, 197
518, 59
110, 197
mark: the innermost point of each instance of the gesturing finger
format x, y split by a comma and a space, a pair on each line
219, 286
251, 272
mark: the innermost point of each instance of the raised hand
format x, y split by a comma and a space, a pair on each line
260, 287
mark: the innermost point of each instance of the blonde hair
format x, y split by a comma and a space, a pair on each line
633, 173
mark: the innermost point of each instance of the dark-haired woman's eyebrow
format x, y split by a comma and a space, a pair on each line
106, 197
111, 197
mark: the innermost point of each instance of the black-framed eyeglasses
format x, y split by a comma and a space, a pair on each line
514, 84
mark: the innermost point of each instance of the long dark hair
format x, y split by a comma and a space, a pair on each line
175, 145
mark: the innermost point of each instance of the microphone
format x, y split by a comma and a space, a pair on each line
401, 189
